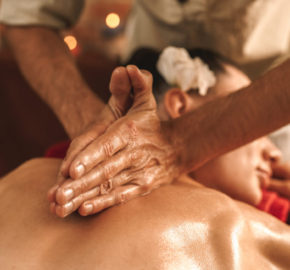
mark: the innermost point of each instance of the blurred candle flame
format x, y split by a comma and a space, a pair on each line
71, 42
112, 20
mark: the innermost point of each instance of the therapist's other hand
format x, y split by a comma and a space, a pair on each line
133, 157
281, 181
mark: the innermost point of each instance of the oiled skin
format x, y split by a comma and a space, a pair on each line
180, 226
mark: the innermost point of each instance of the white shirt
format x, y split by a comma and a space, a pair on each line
246, 31
253, 33
52, 13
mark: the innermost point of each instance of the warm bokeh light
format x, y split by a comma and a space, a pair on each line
112, 20
71, 42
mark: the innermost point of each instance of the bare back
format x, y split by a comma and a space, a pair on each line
181, 226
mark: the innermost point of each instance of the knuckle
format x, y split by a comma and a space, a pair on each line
117, 110
108, 171
106, 187
83, 186
144, 185
108, 149
134, 156
147, 186
122, 179
121, 198
132, 128
141, 159
126, 177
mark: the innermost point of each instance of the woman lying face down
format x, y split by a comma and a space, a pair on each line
242, 173
175, 227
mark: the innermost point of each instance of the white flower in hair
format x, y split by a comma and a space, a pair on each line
178, 68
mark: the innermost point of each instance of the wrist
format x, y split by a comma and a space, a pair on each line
190, 141
176, 144
78, 114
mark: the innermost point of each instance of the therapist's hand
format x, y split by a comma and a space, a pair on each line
281, 181
119, 103
134, 156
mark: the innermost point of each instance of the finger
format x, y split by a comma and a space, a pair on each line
77, 145
282, 187
52, 206
68, 208
119, 103
120, 179
98, 175
51, 193
120, 88
142, 85
130, 176
97, 152
64, 210
119, 195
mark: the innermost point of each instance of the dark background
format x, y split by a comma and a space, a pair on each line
27, 126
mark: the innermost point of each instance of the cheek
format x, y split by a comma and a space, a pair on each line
233, 174
218, 174
249, 189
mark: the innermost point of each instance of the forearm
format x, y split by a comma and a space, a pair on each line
51, 71
232, 121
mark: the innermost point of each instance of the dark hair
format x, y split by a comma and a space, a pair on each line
146, 58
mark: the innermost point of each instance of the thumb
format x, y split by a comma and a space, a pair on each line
120, 88
141, 81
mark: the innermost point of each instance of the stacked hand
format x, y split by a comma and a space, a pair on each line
109, 165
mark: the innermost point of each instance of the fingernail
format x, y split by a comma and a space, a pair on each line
51, 193
88, 208
145, 72
68, 194
69, 207
80, 169
132, 67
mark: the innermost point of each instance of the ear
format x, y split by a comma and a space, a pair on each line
177, 102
